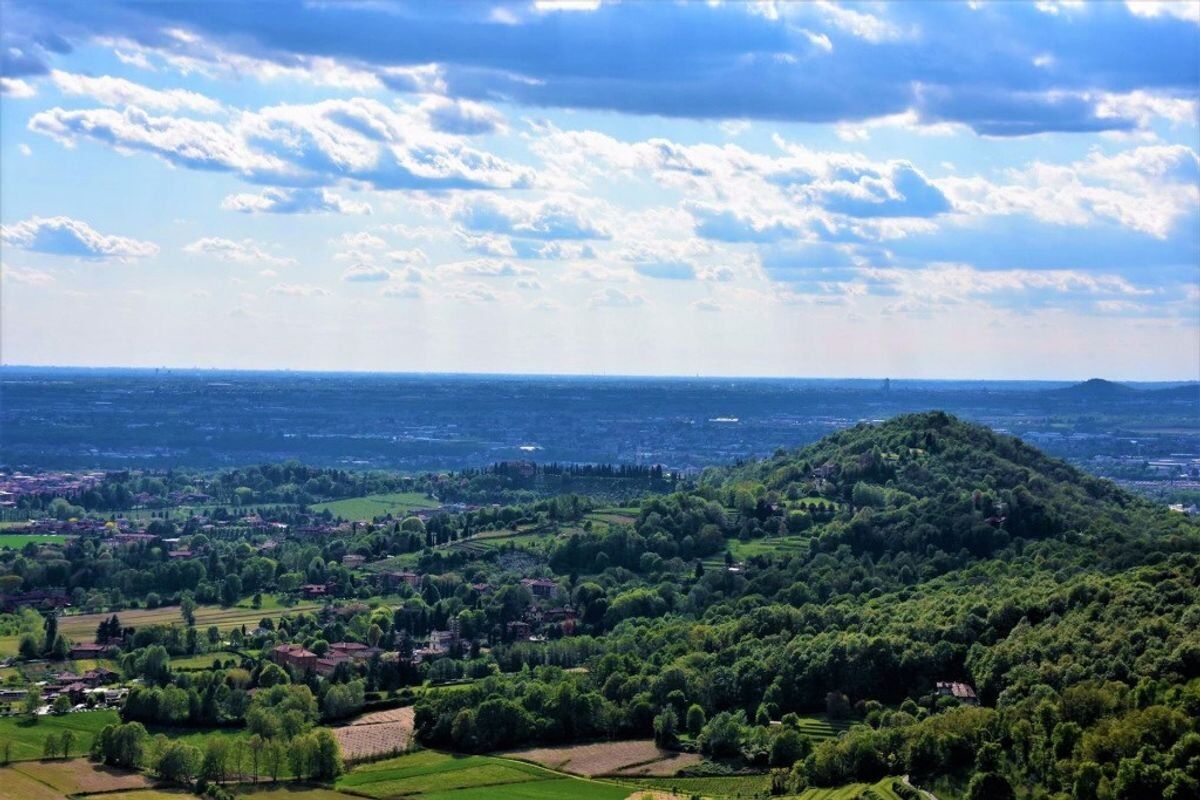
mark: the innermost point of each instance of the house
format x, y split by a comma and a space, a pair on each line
87, 650
540, 587
353, 560
178, 554
519, 630
963, 692
312, 590
294, 655
328, 663
99, 676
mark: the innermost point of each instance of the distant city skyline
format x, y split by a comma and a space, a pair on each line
925, 190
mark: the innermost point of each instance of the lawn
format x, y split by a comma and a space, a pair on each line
28, 737
18, 540
375, 505
430, 775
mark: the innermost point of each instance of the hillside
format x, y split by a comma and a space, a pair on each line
932, 480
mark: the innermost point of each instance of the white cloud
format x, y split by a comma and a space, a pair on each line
244, 252
414, 256
486, 268
366, 273
298, 290
69, 237
16, 88
360, 240
1180, 9
332, 141
293, 201
556, 217
120, 92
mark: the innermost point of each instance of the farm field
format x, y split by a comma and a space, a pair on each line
79, 775
82, 627
635, 757
720, 786
16, 786
28, 737
18, 540
883, 789
376, 734
431, 775
375, 505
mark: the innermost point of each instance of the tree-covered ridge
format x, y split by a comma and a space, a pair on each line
931, 479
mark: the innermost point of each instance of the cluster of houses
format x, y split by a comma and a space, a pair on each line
15, 485
93, 689
294, 655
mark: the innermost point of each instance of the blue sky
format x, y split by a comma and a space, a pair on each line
976, 189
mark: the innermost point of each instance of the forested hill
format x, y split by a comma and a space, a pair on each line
931, 479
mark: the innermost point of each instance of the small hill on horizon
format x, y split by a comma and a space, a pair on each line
1096, 389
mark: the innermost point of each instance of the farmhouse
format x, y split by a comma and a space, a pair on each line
540, 587
294, 655
964, 692
88, 650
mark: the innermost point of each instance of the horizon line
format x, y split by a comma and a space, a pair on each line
613, 375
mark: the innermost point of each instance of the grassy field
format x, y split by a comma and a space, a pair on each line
28, 737
430, 775
775, 545
721, 786
16, 541
883, 790
375, 505
82, 627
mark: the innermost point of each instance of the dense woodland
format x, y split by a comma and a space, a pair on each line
924, 549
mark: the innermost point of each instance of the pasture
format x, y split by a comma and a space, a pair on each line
82, 627
28, 736
397, 504
16, 541
430, 775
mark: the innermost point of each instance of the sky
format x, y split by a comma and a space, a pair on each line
935, 190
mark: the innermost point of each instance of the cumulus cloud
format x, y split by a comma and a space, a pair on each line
16, 88
69, 237
556, 217
121, 92
246, 251
298, 146
293, 201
